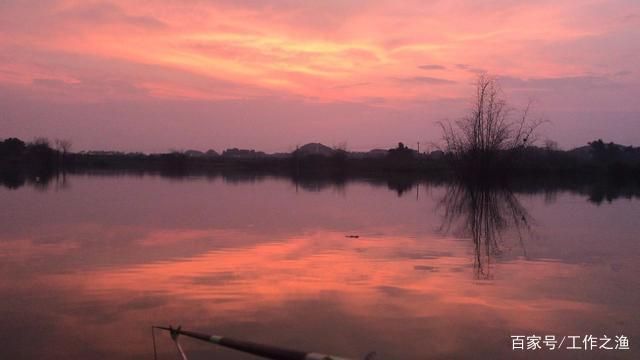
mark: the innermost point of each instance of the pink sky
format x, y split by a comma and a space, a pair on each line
159, 75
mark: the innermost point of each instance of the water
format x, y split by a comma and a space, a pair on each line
436, 271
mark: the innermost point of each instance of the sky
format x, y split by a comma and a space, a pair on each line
173, 75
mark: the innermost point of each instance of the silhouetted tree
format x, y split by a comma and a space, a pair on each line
63, 146
401, 151
40, 157
12, 148
489, 129
605, 152
339, 156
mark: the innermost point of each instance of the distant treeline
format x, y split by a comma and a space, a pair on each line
21, 161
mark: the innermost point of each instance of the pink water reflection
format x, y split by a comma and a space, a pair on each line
401, 288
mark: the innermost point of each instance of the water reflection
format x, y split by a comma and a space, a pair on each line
598, 189
485, 212
258, 260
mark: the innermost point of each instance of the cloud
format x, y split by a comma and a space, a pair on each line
471, 69
426, 80
549, 83
370, 53
99, 88
348, 86
50, 83
631, 18
88, 77
432, 67
623, 73
108, 13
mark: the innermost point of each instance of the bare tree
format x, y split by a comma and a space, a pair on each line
490, 128
40, 141
63, 146
550, 145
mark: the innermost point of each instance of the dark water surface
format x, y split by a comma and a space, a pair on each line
446, 271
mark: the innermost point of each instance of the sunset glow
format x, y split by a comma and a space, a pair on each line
315, 68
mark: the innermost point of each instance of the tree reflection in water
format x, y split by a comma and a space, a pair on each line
490, 214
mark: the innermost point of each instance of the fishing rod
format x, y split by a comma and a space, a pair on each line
265, 351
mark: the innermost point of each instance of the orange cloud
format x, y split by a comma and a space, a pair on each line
284, 49
387, 57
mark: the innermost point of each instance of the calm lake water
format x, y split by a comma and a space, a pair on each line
435, 271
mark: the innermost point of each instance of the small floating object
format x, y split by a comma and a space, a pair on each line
353, 236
